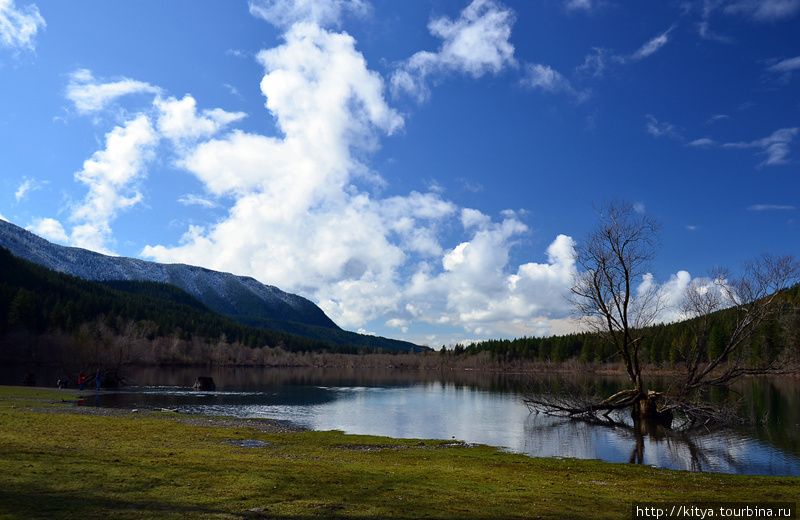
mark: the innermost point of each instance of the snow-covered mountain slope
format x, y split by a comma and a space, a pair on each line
236, 296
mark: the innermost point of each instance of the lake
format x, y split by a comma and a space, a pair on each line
474, 407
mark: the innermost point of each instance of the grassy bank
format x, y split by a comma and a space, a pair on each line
56, 463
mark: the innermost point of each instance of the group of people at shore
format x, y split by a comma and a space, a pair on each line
98, 379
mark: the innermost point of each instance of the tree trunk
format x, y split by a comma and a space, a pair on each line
646, 410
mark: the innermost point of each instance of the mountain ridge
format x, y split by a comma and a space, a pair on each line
226, 293
241, 298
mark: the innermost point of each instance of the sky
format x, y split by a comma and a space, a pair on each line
420, 170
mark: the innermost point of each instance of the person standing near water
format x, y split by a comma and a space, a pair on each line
99, 378
81, 381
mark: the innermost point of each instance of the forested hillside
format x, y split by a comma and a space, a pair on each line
44, 313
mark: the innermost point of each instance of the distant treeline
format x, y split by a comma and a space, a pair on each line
663, 344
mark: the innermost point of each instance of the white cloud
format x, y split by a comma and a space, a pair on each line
300, 221
653, 46
786, 68
112, 176
50, 229
578, 5
285, 13
89, 95
717, 117
26, 187
703, 142
18, 26
543, 77
775, 147
787, 65
477, 43
765, 10
658, 128
196, 200
178, 120
770, 207
482, 292
594, 65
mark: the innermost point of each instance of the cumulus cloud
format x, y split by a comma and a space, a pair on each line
90, 95
50, 229
112, 176
300, 213
477, 43
178, 120
18, 26
301, 219
298, 219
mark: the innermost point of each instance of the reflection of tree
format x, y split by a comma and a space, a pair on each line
584, 437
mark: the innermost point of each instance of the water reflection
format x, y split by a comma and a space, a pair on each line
478, 408
619, 440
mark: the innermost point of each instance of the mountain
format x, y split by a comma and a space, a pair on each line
225, 293
240, 298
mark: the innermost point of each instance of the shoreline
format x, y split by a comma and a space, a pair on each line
119, 465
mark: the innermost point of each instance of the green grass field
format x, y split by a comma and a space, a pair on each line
150, 465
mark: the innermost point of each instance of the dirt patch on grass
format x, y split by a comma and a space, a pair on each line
262, 425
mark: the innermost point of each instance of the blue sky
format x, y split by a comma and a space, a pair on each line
420, 170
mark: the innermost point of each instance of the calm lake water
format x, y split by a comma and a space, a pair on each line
475, 408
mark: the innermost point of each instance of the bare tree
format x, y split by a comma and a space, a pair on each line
615, 294
754, 297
